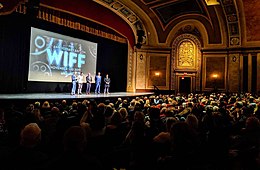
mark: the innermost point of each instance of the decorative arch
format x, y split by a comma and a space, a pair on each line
171, 37
135, 17
192, 65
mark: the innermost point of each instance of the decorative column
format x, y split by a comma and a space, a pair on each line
258, 73
249, 72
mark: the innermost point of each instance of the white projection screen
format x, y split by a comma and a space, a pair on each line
54, 57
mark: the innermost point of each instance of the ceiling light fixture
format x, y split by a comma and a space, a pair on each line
212, 2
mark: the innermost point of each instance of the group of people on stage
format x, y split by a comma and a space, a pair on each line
80, 80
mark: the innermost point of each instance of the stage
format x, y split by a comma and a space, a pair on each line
22, 99
42, 96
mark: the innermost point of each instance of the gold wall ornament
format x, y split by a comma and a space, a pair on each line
234, 58
186, 54
141, 57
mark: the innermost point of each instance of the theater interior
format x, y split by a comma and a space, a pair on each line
176, 45
184, 93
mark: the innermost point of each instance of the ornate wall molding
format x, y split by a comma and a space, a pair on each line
174, 56
232, 19
124, 12
130, 69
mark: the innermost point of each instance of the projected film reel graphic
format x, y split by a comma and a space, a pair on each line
93, 51
42, 68
41, 42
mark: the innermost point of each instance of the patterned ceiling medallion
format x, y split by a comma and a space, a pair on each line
234, 41
125, 12
232, 18
188, 28
108, 1
132, 18
117, 5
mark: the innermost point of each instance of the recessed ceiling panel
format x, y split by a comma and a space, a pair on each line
172, 10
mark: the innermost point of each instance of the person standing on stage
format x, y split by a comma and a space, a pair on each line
98, 83
74, 81
88, 82
107, 84
80, 83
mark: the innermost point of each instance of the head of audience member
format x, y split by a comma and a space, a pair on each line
30, 135
64, 102
74, 139
74, 105
46, 105
107, 101
124, 104
164, 137
139, 116
184, 140
37, 105
123, 112
98, 120
29, 108
55, 111
116, 118
192, 121
252, 123
108, 111
169, 122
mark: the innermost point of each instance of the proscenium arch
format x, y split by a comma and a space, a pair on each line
148, 26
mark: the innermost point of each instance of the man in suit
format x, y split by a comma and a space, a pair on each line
74, 82
98, 83
107, 84
88, 81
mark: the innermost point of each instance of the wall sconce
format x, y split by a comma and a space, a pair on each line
215, 76
157, 74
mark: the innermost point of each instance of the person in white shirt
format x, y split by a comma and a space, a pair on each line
80, 82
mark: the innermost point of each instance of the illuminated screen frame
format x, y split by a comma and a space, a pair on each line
55, 57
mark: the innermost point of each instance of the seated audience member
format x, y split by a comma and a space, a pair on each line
249, 144
74, 155
162, 142
28, 155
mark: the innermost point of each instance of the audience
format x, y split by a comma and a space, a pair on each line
193, 131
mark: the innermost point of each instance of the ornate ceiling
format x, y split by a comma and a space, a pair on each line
160, 17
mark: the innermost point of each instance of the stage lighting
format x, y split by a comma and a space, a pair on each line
140, 33
140, 38
138, 45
